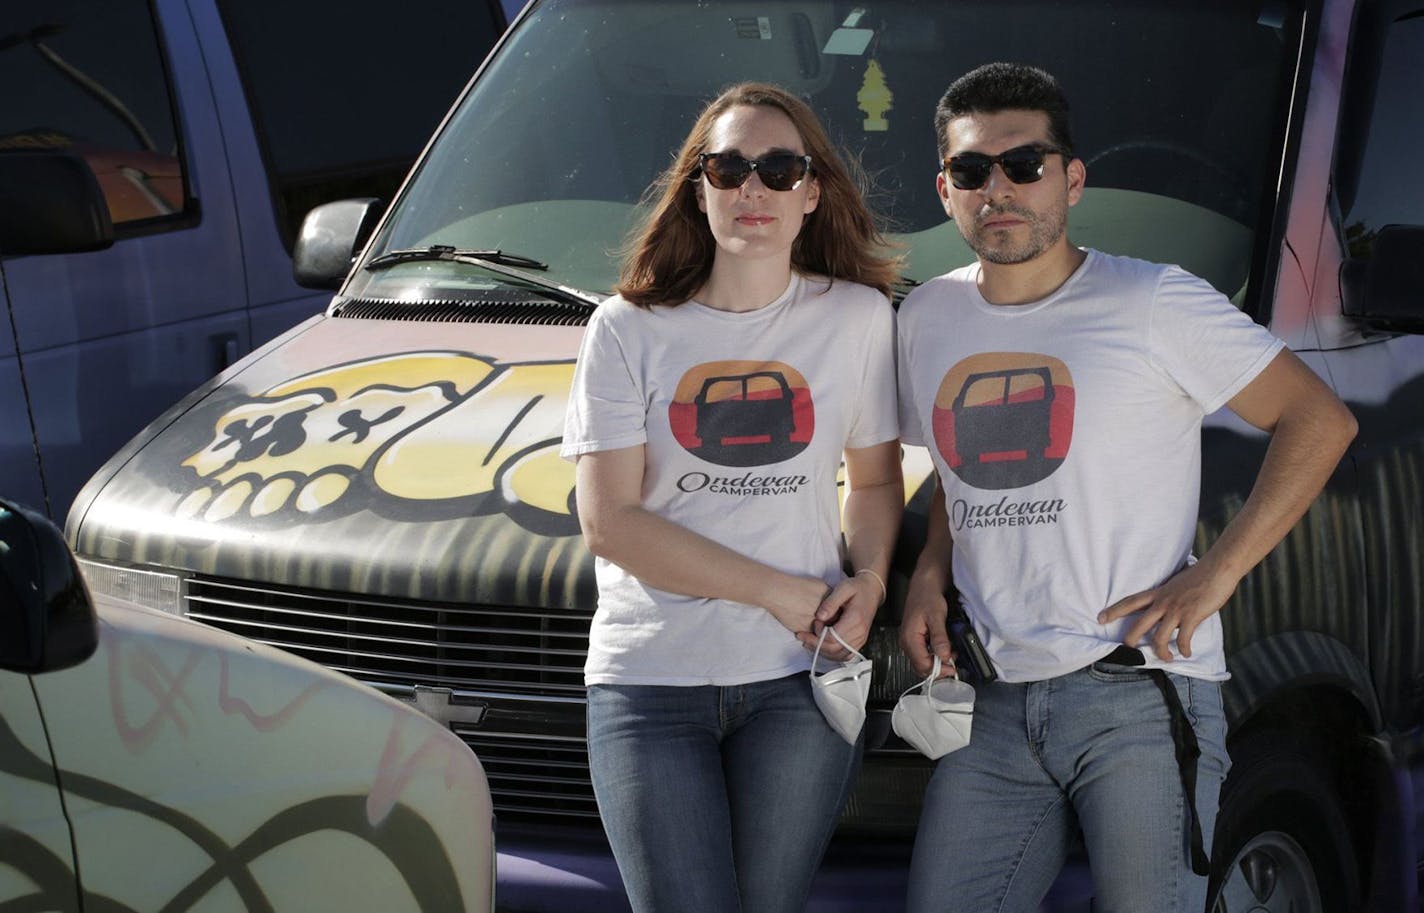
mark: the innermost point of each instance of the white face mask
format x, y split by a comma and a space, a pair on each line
936, 720
841, 691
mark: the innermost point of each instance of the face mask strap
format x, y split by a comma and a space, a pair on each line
816, 658
931, 679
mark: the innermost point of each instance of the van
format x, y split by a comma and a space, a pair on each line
152, 763
210, 128
379, 489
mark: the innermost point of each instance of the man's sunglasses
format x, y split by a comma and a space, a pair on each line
778, 171
1021, 164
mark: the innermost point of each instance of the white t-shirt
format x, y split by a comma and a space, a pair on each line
1067, 433
745, 417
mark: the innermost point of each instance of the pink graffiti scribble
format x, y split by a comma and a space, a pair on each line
166, 689
394, 774
262, 722
133, 662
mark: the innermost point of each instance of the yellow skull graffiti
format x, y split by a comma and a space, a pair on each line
409, 433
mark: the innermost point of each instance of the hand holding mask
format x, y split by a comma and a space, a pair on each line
841, 691
936, 720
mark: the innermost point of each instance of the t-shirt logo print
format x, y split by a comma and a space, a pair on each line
1004, 419
743, 413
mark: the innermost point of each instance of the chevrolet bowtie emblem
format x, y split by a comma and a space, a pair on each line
448, 708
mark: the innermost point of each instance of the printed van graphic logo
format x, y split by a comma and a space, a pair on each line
415, 434
743, 413
1004, 419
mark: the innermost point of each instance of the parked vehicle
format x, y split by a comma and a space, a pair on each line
211, 126
151, 763
379, 489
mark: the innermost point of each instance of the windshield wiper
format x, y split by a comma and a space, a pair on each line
450, 252
511, 266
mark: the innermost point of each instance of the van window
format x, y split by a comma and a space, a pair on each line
550, 159
1391, 184
345, 94
90, 77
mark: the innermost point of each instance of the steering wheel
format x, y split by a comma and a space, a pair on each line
1229, 197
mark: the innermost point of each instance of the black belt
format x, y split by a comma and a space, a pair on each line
1184, 740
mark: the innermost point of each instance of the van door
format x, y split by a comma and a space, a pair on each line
18, 468
299, 135
106, 340
37, 870
1377, 183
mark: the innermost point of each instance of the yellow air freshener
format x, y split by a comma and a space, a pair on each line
874, 98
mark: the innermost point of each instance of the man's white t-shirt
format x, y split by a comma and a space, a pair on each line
744, 417
1067, 433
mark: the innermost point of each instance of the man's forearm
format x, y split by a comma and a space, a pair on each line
1306, 445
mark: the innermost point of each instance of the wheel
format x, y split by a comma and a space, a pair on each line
1282, 841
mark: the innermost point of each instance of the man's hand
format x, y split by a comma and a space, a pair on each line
1310, 429
923, 630
1180, 604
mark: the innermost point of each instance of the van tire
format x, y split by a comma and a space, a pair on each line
1282, 839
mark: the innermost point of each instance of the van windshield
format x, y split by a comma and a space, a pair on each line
1179, 114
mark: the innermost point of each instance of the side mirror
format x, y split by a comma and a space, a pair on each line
332, 235
51, 203
1387, 290
47, 619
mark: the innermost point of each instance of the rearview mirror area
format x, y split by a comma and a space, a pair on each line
1387, 290
331, 235
47, 619
51, 203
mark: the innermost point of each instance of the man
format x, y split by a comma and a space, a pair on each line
1061, 393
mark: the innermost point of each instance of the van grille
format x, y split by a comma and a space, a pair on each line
525, 664
524, 667
510, 307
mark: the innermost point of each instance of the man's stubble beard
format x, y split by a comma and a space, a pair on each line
1044, 231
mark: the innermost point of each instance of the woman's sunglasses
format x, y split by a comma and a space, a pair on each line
728, 170
1021, 164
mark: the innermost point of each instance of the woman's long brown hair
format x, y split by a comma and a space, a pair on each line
670, 258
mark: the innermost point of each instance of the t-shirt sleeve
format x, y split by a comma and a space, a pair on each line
1203, 343
606, 410
910, 432
875, 419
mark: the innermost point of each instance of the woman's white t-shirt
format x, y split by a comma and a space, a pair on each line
744, 416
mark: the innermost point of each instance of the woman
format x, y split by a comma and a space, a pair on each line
748, 349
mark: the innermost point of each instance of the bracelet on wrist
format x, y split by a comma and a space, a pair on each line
884, 593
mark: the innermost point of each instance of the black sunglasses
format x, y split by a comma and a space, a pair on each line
1021, 164
778, 171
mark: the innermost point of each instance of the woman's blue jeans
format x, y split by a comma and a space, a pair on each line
1090, 750
717, 799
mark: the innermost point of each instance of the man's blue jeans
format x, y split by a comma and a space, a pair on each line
1093, 749
717, 799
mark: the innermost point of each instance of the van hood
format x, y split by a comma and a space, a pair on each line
382, 457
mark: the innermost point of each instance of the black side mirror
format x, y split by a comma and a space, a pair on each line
332, 235
1387, 290
51, 203
47, 619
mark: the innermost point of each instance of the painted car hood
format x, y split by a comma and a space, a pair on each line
390, 458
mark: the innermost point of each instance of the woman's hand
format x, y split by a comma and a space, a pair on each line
796, 603
850, 607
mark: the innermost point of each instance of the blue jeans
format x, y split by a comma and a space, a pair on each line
717, 799
1090, 749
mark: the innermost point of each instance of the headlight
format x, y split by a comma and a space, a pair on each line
152, 589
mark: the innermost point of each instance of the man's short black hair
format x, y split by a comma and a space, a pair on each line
996, 87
